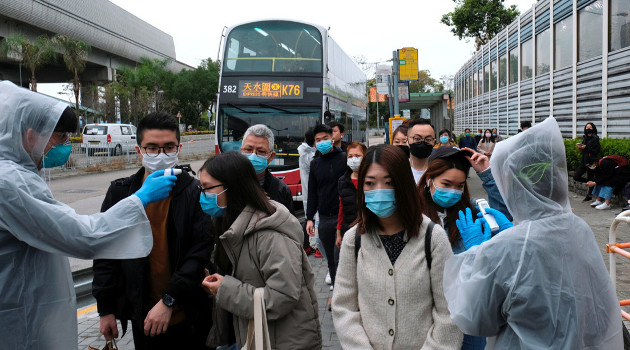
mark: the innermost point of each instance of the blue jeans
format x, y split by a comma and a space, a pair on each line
228, 347
605, 192
473, 343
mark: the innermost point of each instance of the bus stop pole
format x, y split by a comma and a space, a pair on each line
395, 67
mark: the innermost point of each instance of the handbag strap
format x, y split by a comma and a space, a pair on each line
257, 330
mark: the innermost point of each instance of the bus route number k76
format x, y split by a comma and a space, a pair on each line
262, 89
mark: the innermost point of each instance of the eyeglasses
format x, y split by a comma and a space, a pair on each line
153, 151
248, 152
428, 139
62, 136
203, 190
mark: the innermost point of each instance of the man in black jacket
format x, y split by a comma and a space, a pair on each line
161, 293
257, 146
327, 167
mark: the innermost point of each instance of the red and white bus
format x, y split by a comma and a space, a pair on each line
286, 74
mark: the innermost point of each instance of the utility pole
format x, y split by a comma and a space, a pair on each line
396, 69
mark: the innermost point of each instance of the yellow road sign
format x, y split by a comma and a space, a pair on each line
408, 61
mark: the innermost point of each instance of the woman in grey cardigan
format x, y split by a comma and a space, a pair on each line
386, 296
260, 246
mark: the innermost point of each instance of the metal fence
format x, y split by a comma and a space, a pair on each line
97, 156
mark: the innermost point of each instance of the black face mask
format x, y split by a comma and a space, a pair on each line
588, 132
405, 149
421, 149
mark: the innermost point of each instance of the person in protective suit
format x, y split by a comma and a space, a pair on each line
541, 284
38, 233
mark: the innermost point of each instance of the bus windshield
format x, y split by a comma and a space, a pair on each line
273, 46
287, 123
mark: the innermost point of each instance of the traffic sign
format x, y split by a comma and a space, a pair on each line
408, 62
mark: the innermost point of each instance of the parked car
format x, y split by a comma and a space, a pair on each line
108, 137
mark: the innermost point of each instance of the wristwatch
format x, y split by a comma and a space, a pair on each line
168, 300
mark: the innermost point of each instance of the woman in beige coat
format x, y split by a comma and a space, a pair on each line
260, 247
486, 144
386, 295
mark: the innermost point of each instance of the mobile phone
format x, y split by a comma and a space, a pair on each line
578, 144
483, 204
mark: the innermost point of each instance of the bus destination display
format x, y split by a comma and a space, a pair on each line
271, 89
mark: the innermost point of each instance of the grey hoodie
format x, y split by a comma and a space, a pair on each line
266, 251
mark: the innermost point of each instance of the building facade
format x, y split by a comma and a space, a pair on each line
566, 58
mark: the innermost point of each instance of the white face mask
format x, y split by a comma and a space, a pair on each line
353, 163
161, 162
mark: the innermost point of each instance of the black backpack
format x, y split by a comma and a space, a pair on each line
427, 244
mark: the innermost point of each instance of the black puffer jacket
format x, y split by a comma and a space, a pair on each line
278, 191
591, 152
348, 195
121, 287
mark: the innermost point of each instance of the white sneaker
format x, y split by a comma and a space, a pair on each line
595, 203
331, 288
328, 280
603, 206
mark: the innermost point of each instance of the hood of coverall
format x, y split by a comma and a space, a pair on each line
530, 170
21, 110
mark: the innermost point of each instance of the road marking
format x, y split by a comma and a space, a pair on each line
86, 310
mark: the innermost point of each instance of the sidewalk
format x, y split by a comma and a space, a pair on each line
89, 321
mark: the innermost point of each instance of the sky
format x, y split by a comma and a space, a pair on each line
362, 29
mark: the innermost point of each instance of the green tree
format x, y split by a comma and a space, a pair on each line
193, 92
75, 54
479, 19
33, 54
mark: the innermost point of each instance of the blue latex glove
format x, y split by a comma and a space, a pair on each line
156, 187
473, 232
499, 217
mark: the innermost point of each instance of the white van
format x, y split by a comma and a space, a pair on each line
118, 139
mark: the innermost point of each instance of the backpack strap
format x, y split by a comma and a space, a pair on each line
357, 244
427, 243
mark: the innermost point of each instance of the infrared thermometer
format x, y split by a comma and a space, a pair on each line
483, 205
172, 171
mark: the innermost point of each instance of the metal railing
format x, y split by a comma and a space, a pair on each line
614, 248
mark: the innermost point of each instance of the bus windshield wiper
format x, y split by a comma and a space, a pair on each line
241, 109
278, 108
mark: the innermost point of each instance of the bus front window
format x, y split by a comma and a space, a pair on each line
277, 46
288, 126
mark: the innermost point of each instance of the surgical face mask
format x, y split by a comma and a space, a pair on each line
160, 162
420, 149
381, 202
467, 134
354, 162
488, 135
446, 197
208, 202
259, 163
443, 139
57, 156
592, 167
324, 146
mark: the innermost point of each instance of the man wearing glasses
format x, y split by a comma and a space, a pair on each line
160, 294
421, 138
257, 146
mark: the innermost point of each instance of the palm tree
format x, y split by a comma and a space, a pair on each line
75, 54
33, 54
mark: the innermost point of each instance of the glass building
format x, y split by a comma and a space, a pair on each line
569, 59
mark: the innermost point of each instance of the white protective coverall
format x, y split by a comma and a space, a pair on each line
541, 284
38, 233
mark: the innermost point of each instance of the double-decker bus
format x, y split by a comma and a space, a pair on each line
286, 74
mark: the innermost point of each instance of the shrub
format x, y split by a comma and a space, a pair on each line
200, 132
75, 139
610, 146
